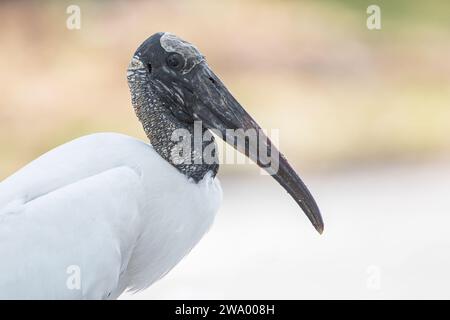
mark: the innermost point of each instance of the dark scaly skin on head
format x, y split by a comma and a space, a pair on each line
159, 123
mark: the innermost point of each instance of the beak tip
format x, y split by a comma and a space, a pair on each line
313, 213
319, 228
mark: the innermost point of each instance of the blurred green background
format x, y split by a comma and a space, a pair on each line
340, 94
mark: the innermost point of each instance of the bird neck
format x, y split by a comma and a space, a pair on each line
180, 143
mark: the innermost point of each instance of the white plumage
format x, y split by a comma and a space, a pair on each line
106, 203
106, 212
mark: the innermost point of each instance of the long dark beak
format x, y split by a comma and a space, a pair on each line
219, 111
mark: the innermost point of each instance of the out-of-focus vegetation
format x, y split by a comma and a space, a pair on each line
339, 93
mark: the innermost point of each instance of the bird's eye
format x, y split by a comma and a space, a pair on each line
149, 67
175, 61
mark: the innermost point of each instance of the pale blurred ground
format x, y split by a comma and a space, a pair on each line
386, 237
364, 115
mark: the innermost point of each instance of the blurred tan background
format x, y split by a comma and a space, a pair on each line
364, 115
339, 93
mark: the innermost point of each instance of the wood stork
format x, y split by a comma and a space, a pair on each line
114, 211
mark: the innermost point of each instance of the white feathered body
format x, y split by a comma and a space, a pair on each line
105, 207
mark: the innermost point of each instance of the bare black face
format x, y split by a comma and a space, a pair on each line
178, 73
167, 62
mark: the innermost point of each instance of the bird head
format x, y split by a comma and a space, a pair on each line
176, 69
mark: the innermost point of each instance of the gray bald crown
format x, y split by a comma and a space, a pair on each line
192, 56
